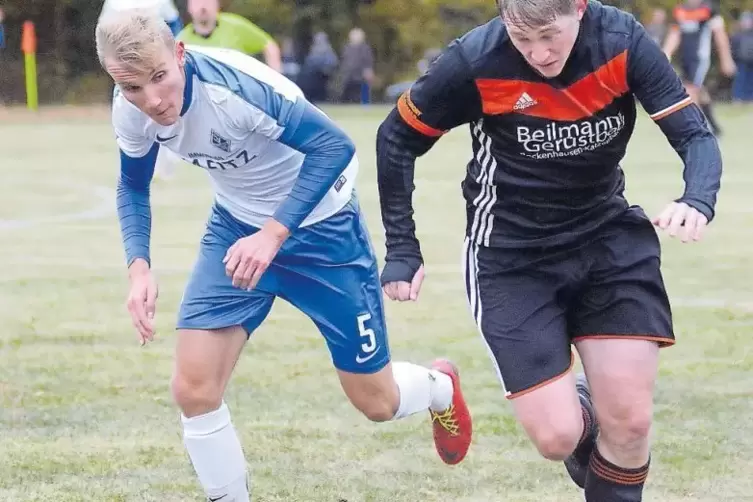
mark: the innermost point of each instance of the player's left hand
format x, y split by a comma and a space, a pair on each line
681, 219
403, 291
249, 257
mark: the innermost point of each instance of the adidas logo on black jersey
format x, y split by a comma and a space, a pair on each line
524, 101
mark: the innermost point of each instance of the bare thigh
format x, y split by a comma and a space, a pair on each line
204, 362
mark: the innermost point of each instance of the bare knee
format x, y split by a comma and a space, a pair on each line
204, 362
625, 425
556, 441
377, 408
552, 417
376, 395
195, 395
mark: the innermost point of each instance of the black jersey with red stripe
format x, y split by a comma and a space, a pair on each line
545, 169
695, 24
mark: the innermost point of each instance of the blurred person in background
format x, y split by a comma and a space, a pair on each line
357, 69
2, 29
166, 9
210, 27
657, 28
290, 66
318, 67
742, 52
394, 91
692, 27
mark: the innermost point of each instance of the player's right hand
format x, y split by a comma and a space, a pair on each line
728, 68
403, 291
142, 299
680, 219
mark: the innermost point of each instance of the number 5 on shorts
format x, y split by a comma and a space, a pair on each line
370, 344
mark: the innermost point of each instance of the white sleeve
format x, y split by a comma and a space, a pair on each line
131, 129
168, 10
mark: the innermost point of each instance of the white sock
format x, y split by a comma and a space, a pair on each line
421, 389
216, 454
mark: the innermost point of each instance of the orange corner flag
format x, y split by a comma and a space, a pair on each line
28, 38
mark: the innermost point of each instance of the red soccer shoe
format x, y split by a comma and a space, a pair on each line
453, 428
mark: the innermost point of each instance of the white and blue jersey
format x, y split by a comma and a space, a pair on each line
245, 132
269, 153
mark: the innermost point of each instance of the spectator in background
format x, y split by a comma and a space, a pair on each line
211, 27
318, 67
742, 52
394, 91
290, 66
166, 8
657, 28
357, 69
2, 29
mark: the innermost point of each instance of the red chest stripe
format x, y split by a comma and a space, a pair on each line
580, 100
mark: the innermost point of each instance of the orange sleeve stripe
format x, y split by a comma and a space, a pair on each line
671, 109
410, 114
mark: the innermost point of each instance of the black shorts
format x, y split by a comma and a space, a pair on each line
694, 71
531, 305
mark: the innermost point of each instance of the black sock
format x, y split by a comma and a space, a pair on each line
706, 108
577, 463
607, 482
588, 439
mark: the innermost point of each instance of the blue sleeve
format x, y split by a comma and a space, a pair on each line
132, 199
328, 151
657, 86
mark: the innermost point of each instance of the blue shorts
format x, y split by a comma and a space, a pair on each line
327, 270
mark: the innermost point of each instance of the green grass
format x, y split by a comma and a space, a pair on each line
86, 414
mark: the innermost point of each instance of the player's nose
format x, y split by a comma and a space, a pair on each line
153, 99
540, 54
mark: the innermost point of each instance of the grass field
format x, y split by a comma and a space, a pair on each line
86, 414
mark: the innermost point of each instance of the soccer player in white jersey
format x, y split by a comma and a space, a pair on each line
285, 223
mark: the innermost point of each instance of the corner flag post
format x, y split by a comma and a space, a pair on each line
29, 48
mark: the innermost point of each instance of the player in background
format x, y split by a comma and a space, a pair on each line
165, 8
554, 254
694, 23
285, 223
210, 27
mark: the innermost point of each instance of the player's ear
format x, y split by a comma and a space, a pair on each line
180, 53
580, 8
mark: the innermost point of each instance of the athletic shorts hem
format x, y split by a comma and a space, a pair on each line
546, 382
363, 369
662, 340
217, 327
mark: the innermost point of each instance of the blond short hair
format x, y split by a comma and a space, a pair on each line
134, 37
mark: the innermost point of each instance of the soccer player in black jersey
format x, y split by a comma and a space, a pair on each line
694, 23
554, 254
